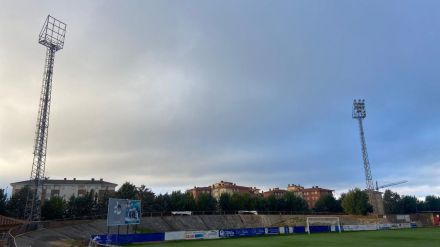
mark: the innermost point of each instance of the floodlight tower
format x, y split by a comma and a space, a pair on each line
52, 36
359, 113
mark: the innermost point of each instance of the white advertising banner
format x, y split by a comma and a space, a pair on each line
348, 228
179, 235
403, 217
190, 235
394, 226
201, 234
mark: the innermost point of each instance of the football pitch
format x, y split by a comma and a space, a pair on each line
421, 237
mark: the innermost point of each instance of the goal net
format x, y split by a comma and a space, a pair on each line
323, 224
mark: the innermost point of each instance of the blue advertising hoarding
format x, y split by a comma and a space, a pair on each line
273, 230
123, 212
128, 238
225, 233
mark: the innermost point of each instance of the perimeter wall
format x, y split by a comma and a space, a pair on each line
57, 232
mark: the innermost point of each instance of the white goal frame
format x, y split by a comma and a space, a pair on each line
325, 220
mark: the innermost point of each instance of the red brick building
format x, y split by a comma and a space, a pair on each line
230, 188
197, 191
223, 187
312, 195
277, 192
296, 189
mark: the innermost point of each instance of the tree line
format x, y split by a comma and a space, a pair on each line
353, 202
397, 204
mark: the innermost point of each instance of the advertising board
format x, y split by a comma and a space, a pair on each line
113, 239
387, 226
348, 228
273, 230
189, 235
242, 232
176, 235
123, 212
403, 217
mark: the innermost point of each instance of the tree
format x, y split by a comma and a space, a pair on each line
162, 203
147, 198
391, 202
225, 202
432, 203
127, 191
421, 206
260, 203
16, 205
273, 203
294, 203
237, 202
327, 203
395, 204
181, 201
248, 201
3, 201
408, 205
102, 203
356, 202
82, 205
53, 208
205, 202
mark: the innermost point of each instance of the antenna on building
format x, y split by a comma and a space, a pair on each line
52, 36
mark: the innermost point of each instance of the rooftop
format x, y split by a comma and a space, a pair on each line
277, 189
201, 188
316, 188
67, 181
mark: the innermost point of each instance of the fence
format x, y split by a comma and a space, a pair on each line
116, 239
168, 213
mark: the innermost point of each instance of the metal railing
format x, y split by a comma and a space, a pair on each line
168, 213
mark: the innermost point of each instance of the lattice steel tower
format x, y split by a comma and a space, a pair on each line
359, 113
52, 36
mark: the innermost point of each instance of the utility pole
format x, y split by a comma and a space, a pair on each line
52, 36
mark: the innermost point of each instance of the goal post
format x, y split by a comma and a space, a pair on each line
324, 221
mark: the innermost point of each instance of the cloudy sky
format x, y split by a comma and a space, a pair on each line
175, 94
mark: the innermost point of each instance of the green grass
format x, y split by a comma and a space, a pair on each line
421, 237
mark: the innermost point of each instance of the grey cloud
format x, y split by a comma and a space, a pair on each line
180, 94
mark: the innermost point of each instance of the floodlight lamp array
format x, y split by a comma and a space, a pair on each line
53, 33
359, 108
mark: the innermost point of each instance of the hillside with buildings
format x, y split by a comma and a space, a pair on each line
310, 195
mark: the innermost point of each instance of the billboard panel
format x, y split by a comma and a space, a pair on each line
242, 232
189, 235
273, 230
123, 212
